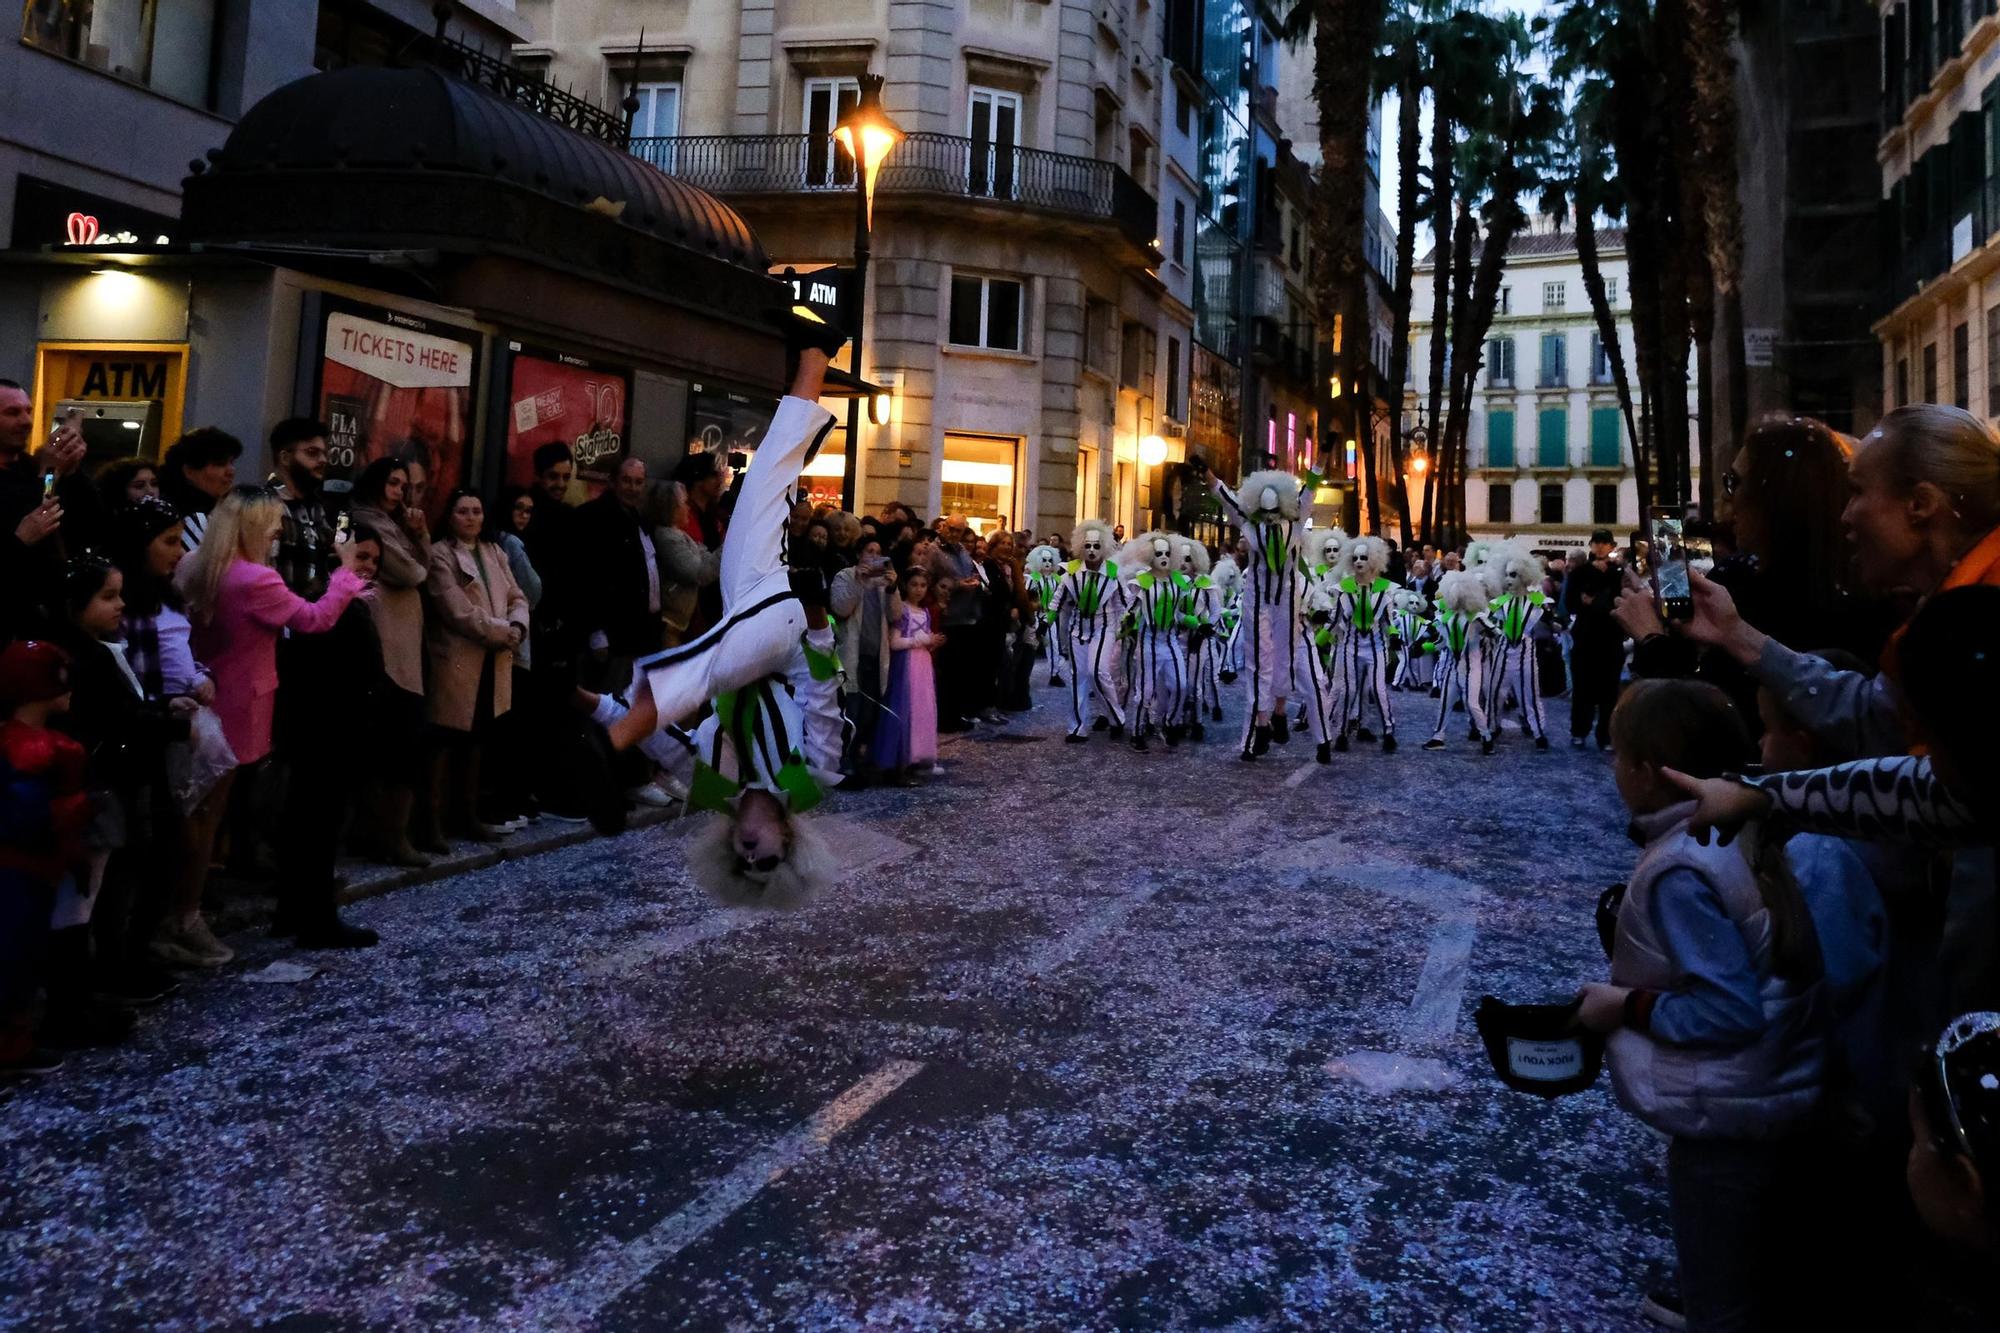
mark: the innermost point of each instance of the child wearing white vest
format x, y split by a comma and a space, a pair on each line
1713, 1017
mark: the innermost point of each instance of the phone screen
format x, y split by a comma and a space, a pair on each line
1670, 559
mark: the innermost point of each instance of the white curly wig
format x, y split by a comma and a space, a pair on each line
1463, 590
1367, 558
1521, 571
1136, 556
1104, 535
1044, 560
1409, 600
1227, 574
1187, 548
1284, 483
1330, 548
808, 867
1492, 556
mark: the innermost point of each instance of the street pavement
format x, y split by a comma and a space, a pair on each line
1089, 1039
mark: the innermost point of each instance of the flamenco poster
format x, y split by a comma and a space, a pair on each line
556, 397
395, 384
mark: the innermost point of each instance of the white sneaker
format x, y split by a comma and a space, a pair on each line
190, 943
514, 825
650, 794
937, 770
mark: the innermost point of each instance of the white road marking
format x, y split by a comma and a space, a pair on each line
577, 1300
1433, 1011
1298, 777
1054, 953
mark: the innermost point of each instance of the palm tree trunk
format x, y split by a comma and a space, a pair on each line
1607, 326
1712, 137
1408, 131
1441, 201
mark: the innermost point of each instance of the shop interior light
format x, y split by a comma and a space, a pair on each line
868, 133
1152, 451
129, 425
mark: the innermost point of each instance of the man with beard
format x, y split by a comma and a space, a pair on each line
316, 673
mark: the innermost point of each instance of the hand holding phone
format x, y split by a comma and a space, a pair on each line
1674, 553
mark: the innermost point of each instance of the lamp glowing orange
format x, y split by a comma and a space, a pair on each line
868, 134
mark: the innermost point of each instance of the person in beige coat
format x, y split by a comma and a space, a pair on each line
686, 566
382, 824
478, 615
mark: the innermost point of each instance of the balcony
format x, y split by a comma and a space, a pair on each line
734, 166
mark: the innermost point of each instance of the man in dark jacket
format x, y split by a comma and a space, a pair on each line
32, 516
1597, 644
624, 580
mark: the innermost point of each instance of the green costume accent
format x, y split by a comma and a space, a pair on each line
1368, 601
822, 665
737, 713
1090, 589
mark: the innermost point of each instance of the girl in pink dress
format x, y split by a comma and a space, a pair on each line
906, 737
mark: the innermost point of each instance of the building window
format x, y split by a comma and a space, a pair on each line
1183, 111
165, 47
827, 164
1611, 293
1961, 367
1552, 502
1180, 231
986, 312
659, 113
1099, 321
1992, 363
1555, 296
1506, 300
1604, 504
1298, 245
1555, 361
1930, 372
1500, 502
1500, 439
1176, 408
993, 123
1552, 437
1500, 363
1903, 378
1605, 447
1600, 360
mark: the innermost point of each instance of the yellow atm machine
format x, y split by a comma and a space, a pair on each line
130, 395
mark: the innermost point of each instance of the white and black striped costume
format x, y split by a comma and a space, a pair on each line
1361, 621
1319, 642
1163, 615
1461, 670
1090, 603
1413, 664
742, 665
1513, 619
1271, 605
1050, 633
1205, 651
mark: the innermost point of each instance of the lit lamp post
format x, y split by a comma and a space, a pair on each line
867, 134
1420, 463
1152, 453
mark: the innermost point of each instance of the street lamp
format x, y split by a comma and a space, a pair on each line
867, 135
1152, 451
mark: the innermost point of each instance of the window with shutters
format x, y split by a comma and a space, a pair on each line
1555, 361
1930, 373
1500, 363
1552, 502
1604, 504
1552, 437
1555, 296
1605, 446
1500, 439
1500, 502
1600, 360
1961, 367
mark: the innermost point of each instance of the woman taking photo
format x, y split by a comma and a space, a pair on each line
380, 507
479, 615
240, 607
686, 566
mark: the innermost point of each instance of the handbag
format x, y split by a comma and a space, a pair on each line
195, 765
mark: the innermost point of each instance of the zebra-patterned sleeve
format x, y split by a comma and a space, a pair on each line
1228, 497
1895, 799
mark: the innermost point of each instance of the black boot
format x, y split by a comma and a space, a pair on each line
1434, 743
1117, 731
1365, 736
1139, 740
1173, 735
1541, 742
1260, 740
1215, 714
1281, 728
1486, 746
1197, 733
1388, 743
1076, 738
1340, 741
1325, 752
1100, 724
330, 932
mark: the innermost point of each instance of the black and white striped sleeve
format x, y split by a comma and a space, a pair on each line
1894, 799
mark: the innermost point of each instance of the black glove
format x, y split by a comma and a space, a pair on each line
805, 327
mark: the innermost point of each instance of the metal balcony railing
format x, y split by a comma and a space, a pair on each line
923, 163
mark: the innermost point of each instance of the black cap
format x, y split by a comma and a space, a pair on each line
696, 467
1603, 537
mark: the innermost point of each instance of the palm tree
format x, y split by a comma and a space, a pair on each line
1399, 69
1712, 143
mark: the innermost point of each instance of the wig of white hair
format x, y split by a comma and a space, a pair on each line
1227, 574
1329, 548
1283, 483
1044, 560
1409, 600
1521, 571
1464, 591
1136, 556
1187, 550
808, 867
1367, 559
1491, 557
1104, 535
1478, 553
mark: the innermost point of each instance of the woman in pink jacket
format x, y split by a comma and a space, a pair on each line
240, 607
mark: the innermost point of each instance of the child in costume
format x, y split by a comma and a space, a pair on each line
1361, 620
1228, 576
1325, 686
1268, 511
1409, 626
1461, 656
751, 766
1513, 616
1162, 614
906, 737
1090, 602
1204, 696
1045, 569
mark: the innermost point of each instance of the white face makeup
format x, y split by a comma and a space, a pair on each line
1268, 499
1188, 566
1163, 556
1093, 549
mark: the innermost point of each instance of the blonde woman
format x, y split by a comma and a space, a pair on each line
239, 607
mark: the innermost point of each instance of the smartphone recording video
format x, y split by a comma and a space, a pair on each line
1674, 552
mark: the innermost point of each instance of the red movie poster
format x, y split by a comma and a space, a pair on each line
555, 397
394, 384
